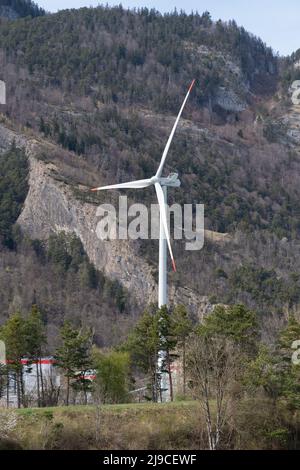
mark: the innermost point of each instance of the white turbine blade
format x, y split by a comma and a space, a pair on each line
130, 185
163, 212
164, 155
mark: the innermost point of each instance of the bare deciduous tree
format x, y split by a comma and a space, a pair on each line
212, 366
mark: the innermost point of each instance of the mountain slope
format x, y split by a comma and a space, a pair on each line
97, 78
97, 90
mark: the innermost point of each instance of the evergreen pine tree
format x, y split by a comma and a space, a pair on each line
144, 344
35, 342
74, 356
14, 335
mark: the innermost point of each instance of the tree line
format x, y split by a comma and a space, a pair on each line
224, 365
23, 7
227, 367
13, 191
76, 357
112, 47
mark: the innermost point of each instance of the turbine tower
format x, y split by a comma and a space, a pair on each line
161, 184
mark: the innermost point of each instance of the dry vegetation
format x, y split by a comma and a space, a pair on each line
178, 425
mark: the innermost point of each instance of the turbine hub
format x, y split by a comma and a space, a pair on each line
154, 179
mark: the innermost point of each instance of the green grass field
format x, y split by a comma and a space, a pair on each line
119, 408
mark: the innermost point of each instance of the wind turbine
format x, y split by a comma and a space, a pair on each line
161, 184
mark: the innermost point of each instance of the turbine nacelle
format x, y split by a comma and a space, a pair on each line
172, 180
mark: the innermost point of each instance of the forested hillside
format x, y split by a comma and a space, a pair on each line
13, 9
104, 85
132, 58
93, 79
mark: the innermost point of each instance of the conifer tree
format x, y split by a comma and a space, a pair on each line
74, 355
35, 342
14, 335
236, 322
144, 344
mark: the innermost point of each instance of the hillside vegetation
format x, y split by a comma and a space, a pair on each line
13, 191
124, 57
104, 85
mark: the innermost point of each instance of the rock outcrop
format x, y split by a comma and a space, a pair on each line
295, 91
229, 101
292, 118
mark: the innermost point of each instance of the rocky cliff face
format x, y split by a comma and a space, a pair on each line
51, 207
